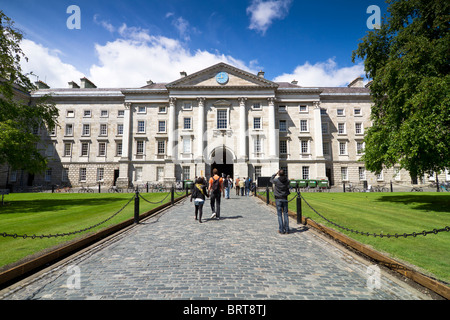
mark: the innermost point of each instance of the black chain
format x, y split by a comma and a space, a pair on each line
25, 236
413, 234
153, 202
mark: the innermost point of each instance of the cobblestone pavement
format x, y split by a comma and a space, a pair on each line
241, 256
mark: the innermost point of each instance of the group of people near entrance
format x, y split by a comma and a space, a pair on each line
217, 186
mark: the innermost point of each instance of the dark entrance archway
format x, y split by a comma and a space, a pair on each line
223, 160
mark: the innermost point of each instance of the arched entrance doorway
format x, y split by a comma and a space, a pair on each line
222, 159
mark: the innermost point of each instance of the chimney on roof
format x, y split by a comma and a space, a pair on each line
183, 74
357, 83
86, 83
41, 85
261, 74
73, 85
149, 82
294, 81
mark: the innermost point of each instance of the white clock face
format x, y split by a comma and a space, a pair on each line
222, 77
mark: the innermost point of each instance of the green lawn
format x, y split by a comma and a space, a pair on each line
47, 213
391, 213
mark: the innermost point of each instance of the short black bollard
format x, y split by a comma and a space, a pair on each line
343, 187
392, 189
53, 188
299, 208
147, 187
136, 207
99, 188
172, 195
267, 195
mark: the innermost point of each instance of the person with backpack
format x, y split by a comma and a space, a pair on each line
227, 184
215, 188
199, 195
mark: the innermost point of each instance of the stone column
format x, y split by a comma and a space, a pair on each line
200, 128
242, 130
272, 132
318, 142
124, 161
171, 128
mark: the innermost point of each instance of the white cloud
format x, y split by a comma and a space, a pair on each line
139, 56
105, 24
262, 13
46, 64
323, 74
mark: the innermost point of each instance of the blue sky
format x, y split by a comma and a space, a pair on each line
125, 43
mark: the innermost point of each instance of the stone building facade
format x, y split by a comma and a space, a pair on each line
220, 117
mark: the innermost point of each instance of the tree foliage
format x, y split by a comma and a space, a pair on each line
19, 147
408, 59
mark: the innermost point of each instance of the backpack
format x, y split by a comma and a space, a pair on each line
216, 185
225, 183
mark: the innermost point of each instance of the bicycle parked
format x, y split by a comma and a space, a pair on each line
115, 189
84, 189
64, 189
416, 189
351, 188
380, 188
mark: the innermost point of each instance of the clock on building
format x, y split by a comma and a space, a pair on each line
222, 77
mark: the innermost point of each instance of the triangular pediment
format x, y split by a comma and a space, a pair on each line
232, 77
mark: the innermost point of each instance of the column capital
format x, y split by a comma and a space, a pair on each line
316, 104
127, 105
242, 99
201, 99
172, 100
271, 99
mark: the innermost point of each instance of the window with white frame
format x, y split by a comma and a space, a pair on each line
304, 126
257, 145
102, 149
222, 119
325, 128
342, 148
159, 173
359, 128
142, 109
100, 174
162, 126
344, 173
341, 128
362, 173
119, 129
258, 172
282, 125
140, 147
305, 172
65, 175
103, 129
187, 123
69, 129
285, 169
86, 130
84, 149
13, 176
141, 126
186, 173
186, 145
120, 113
187, 106
397, 176
162, 109
283, 147
119, 147
82, 174
380, 176
304, 146
70, 114
357, 111
303, 108
340, 112
257, 124
359, 147
104, 113
326, 148
161, 147
256, 106
67, 149
282, 109
48, 175
87, 113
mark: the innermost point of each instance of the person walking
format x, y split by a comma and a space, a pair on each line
242, 186
247, 186
236, 185
227, 183
215, 188
281, 192
199, 195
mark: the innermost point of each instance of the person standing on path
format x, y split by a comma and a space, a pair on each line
199, 195
227, 184
242, 186
236, 185
215, 188
281, 192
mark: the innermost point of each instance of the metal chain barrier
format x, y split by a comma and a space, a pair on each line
153, 202
413, 234
25, 236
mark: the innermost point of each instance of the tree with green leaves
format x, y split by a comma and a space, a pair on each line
19, 147
408, 59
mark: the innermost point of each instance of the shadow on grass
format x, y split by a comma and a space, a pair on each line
423, 202
40, 205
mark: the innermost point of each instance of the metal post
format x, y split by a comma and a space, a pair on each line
267, 195
136, 207
147, 186
99, 188
343, 186
172, 196
299, 208
392, 188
